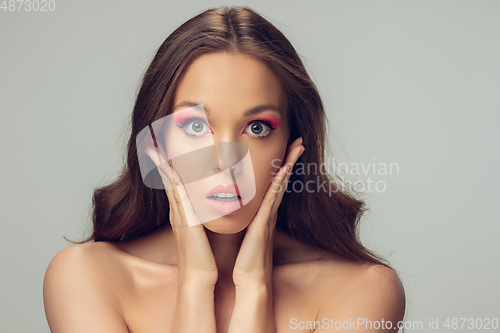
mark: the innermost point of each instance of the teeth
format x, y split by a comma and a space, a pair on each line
224, 195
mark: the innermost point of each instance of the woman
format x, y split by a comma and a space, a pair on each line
286, 260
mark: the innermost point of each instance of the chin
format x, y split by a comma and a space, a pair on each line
225, 228
238, 220
232, 223
227, 225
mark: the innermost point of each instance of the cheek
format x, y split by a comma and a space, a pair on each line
265, 163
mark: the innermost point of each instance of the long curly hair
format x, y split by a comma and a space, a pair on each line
327, 219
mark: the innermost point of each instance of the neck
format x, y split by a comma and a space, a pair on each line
225, 248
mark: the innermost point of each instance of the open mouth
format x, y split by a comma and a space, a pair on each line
225, 197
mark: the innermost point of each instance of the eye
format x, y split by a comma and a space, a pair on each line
195, 127
259, 129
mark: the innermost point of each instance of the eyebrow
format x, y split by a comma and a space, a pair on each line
248, 113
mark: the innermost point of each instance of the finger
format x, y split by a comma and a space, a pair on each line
294, 153
296, 143
190, 216
167, 177
276, 185
290, 160
281, 190
171, 175
181, 198
289, 164
263, 213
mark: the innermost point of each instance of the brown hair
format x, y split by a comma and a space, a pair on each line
326, 219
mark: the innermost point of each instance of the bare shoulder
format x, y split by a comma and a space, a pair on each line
374, 283
338, 288
79, 290
95, 260
364, 292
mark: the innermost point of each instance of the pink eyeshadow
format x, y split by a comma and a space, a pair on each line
273, 120
181, 117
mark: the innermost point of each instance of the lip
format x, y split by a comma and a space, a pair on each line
233, 189
224, 207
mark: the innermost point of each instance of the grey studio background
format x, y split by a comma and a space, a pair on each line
414, 83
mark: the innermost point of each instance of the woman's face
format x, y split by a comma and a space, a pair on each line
228, 85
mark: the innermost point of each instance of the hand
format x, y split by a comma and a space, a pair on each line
254, 262
196, 261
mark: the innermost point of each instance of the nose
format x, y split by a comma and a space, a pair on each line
230, 154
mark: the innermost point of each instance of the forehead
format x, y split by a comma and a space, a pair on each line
234, 81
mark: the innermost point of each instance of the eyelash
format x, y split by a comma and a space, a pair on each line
261, 137
266, 123
189, 121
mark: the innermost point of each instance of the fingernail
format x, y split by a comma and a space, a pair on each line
301, 151
287, 169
